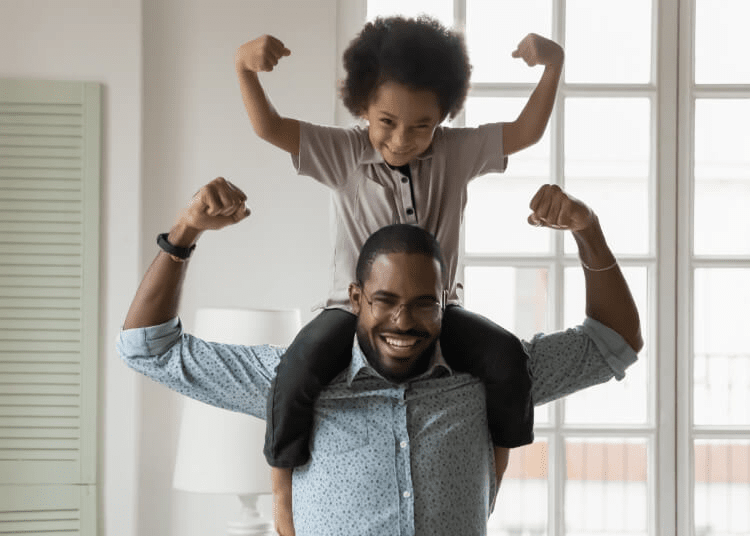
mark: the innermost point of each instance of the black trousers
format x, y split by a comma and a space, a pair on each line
323, 348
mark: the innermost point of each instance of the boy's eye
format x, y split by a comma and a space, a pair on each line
386, 121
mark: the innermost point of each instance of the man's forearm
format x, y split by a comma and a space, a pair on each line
608, 298
158, 296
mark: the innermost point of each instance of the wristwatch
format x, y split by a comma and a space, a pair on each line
175, 251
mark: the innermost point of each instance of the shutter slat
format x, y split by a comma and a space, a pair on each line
48, 194
41, 432
40, 130
56, 185
39, 292
30, 324
43, 119
38, 228
39, 346
72, 175
39, 378
40, 141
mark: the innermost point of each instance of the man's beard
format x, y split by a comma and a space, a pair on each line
375, 360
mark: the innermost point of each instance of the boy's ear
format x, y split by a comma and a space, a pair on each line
355, 295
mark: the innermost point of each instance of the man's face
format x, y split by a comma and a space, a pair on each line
402, 122
398, 332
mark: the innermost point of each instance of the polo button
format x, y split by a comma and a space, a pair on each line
410, 211
407, 494
403, 444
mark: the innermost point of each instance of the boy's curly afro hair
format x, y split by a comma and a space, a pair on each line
417, 52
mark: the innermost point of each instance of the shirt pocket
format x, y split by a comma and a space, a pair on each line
341, 425
374, 205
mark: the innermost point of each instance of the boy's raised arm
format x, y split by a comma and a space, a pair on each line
262, 54
529, 127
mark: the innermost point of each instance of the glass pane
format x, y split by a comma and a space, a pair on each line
722, 177
607, 137
521, 506
441, 10
493, 30
614, 49
721, 367
614, 402
607, 161
722, 488
606, 490
515, 298
622, 207
496, 217
721, 42
532, 162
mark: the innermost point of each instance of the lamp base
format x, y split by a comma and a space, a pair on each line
251, 522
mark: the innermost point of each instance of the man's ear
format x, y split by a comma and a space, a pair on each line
355, 294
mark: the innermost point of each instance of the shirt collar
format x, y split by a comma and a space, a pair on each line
360, 367
371, 156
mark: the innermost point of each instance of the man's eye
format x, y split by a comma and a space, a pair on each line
386, 121
384, 302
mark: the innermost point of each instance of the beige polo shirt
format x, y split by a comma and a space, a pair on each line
368, 194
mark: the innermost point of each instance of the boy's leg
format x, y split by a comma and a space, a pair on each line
472, 343
316, 356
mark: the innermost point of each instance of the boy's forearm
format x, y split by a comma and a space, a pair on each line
533, 119
267, 123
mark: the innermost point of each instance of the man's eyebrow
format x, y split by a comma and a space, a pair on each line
386, 294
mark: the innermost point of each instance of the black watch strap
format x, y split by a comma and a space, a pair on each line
181, 253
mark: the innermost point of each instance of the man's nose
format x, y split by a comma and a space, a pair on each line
402, 319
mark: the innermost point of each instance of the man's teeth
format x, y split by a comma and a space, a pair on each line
400, 342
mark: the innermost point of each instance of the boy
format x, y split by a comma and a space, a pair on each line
404, 78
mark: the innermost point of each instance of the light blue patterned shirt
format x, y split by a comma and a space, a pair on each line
387, 459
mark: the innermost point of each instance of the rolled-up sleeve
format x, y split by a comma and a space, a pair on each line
568, 361
234, 377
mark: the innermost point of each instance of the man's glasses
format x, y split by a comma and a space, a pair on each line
424, 309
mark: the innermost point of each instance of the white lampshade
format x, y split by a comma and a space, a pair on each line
221, 451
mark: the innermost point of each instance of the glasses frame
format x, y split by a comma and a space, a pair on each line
396, 310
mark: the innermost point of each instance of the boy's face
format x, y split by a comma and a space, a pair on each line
402, 121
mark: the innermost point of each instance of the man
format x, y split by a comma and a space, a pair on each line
400, 443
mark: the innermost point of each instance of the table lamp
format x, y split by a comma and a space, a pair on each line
221, 451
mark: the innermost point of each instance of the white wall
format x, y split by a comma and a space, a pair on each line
99, 41
173, 120
195, 129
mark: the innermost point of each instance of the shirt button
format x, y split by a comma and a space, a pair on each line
409, 211
403, 444
407, 494
404, 180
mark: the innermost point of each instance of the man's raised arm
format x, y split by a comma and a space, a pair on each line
214, 206
608, 298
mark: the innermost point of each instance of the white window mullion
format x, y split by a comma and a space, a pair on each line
663, 326
684, 286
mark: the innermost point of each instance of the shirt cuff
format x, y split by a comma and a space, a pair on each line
151, 340
617, 353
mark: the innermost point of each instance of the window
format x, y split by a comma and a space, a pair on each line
649, 128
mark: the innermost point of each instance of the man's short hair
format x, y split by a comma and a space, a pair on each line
398, 238
419, 53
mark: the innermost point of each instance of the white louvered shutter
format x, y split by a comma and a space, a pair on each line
49, 279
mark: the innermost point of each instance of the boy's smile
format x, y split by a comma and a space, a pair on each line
402, 121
